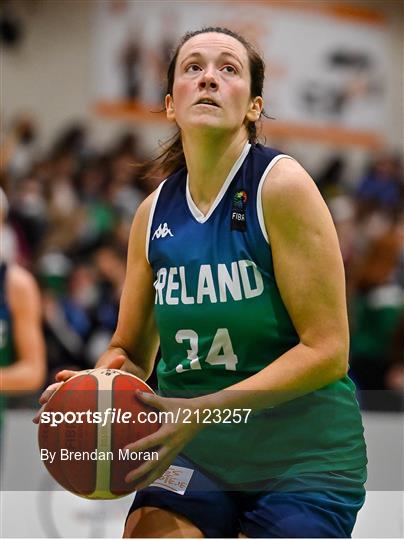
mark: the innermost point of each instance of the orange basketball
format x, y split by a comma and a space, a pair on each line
86, 425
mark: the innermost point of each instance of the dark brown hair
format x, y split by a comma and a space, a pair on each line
172, 158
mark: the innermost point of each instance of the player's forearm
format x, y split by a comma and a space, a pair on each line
21, 377
299, 371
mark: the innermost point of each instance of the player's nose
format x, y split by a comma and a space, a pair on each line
208, 80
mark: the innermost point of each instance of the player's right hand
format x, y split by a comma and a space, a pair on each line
64, 375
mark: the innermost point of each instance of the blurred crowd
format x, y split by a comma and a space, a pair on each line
369, 220
69, 216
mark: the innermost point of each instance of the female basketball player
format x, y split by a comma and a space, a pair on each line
234, 267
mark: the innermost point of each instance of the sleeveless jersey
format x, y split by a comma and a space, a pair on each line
6, 342
221, 319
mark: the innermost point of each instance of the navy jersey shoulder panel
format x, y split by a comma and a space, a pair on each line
265, 153
174, 184
172, 192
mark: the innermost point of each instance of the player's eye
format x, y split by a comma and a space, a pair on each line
192, 68
229, 69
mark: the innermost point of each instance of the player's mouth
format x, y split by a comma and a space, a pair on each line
207, 101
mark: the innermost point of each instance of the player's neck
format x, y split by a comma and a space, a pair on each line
209, 162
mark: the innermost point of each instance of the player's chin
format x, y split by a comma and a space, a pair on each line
207, 114
208, 122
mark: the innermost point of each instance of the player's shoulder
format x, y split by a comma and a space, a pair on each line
144, 211
287, 181
145, 206
21, 285
20, 278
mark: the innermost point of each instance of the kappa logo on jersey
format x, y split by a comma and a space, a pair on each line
162, 231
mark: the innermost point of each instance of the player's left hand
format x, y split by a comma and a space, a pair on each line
170, 439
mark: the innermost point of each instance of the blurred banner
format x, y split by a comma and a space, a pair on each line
327, 66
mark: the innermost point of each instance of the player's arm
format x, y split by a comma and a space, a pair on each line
310, 276
136, 338
27, 373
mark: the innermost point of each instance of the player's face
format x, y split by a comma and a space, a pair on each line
212, 85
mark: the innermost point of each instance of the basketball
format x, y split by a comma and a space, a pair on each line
86, 425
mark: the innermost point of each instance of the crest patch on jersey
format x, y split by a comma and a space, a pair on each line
238, 217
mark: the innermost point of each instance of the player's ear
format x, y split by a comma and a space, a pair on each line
169, 104
255, 109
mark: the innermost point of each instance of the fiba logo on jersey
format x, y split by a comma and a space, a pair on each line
240, 199
238, 217
162, 231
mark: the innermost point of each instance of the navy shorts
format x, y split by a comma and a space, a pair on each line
311, 505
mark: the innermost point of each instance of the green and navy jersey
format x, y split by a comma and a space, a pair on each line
6, 341
221, 319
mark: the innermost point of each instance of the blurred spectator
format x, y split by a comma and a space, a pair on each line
61, 194
330, 179
73, 140
131, 59
394, 378
123, 197
378, 303
127, 145
381, 187
28, 216
110, 264
19, 149
67, 323
342, 209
